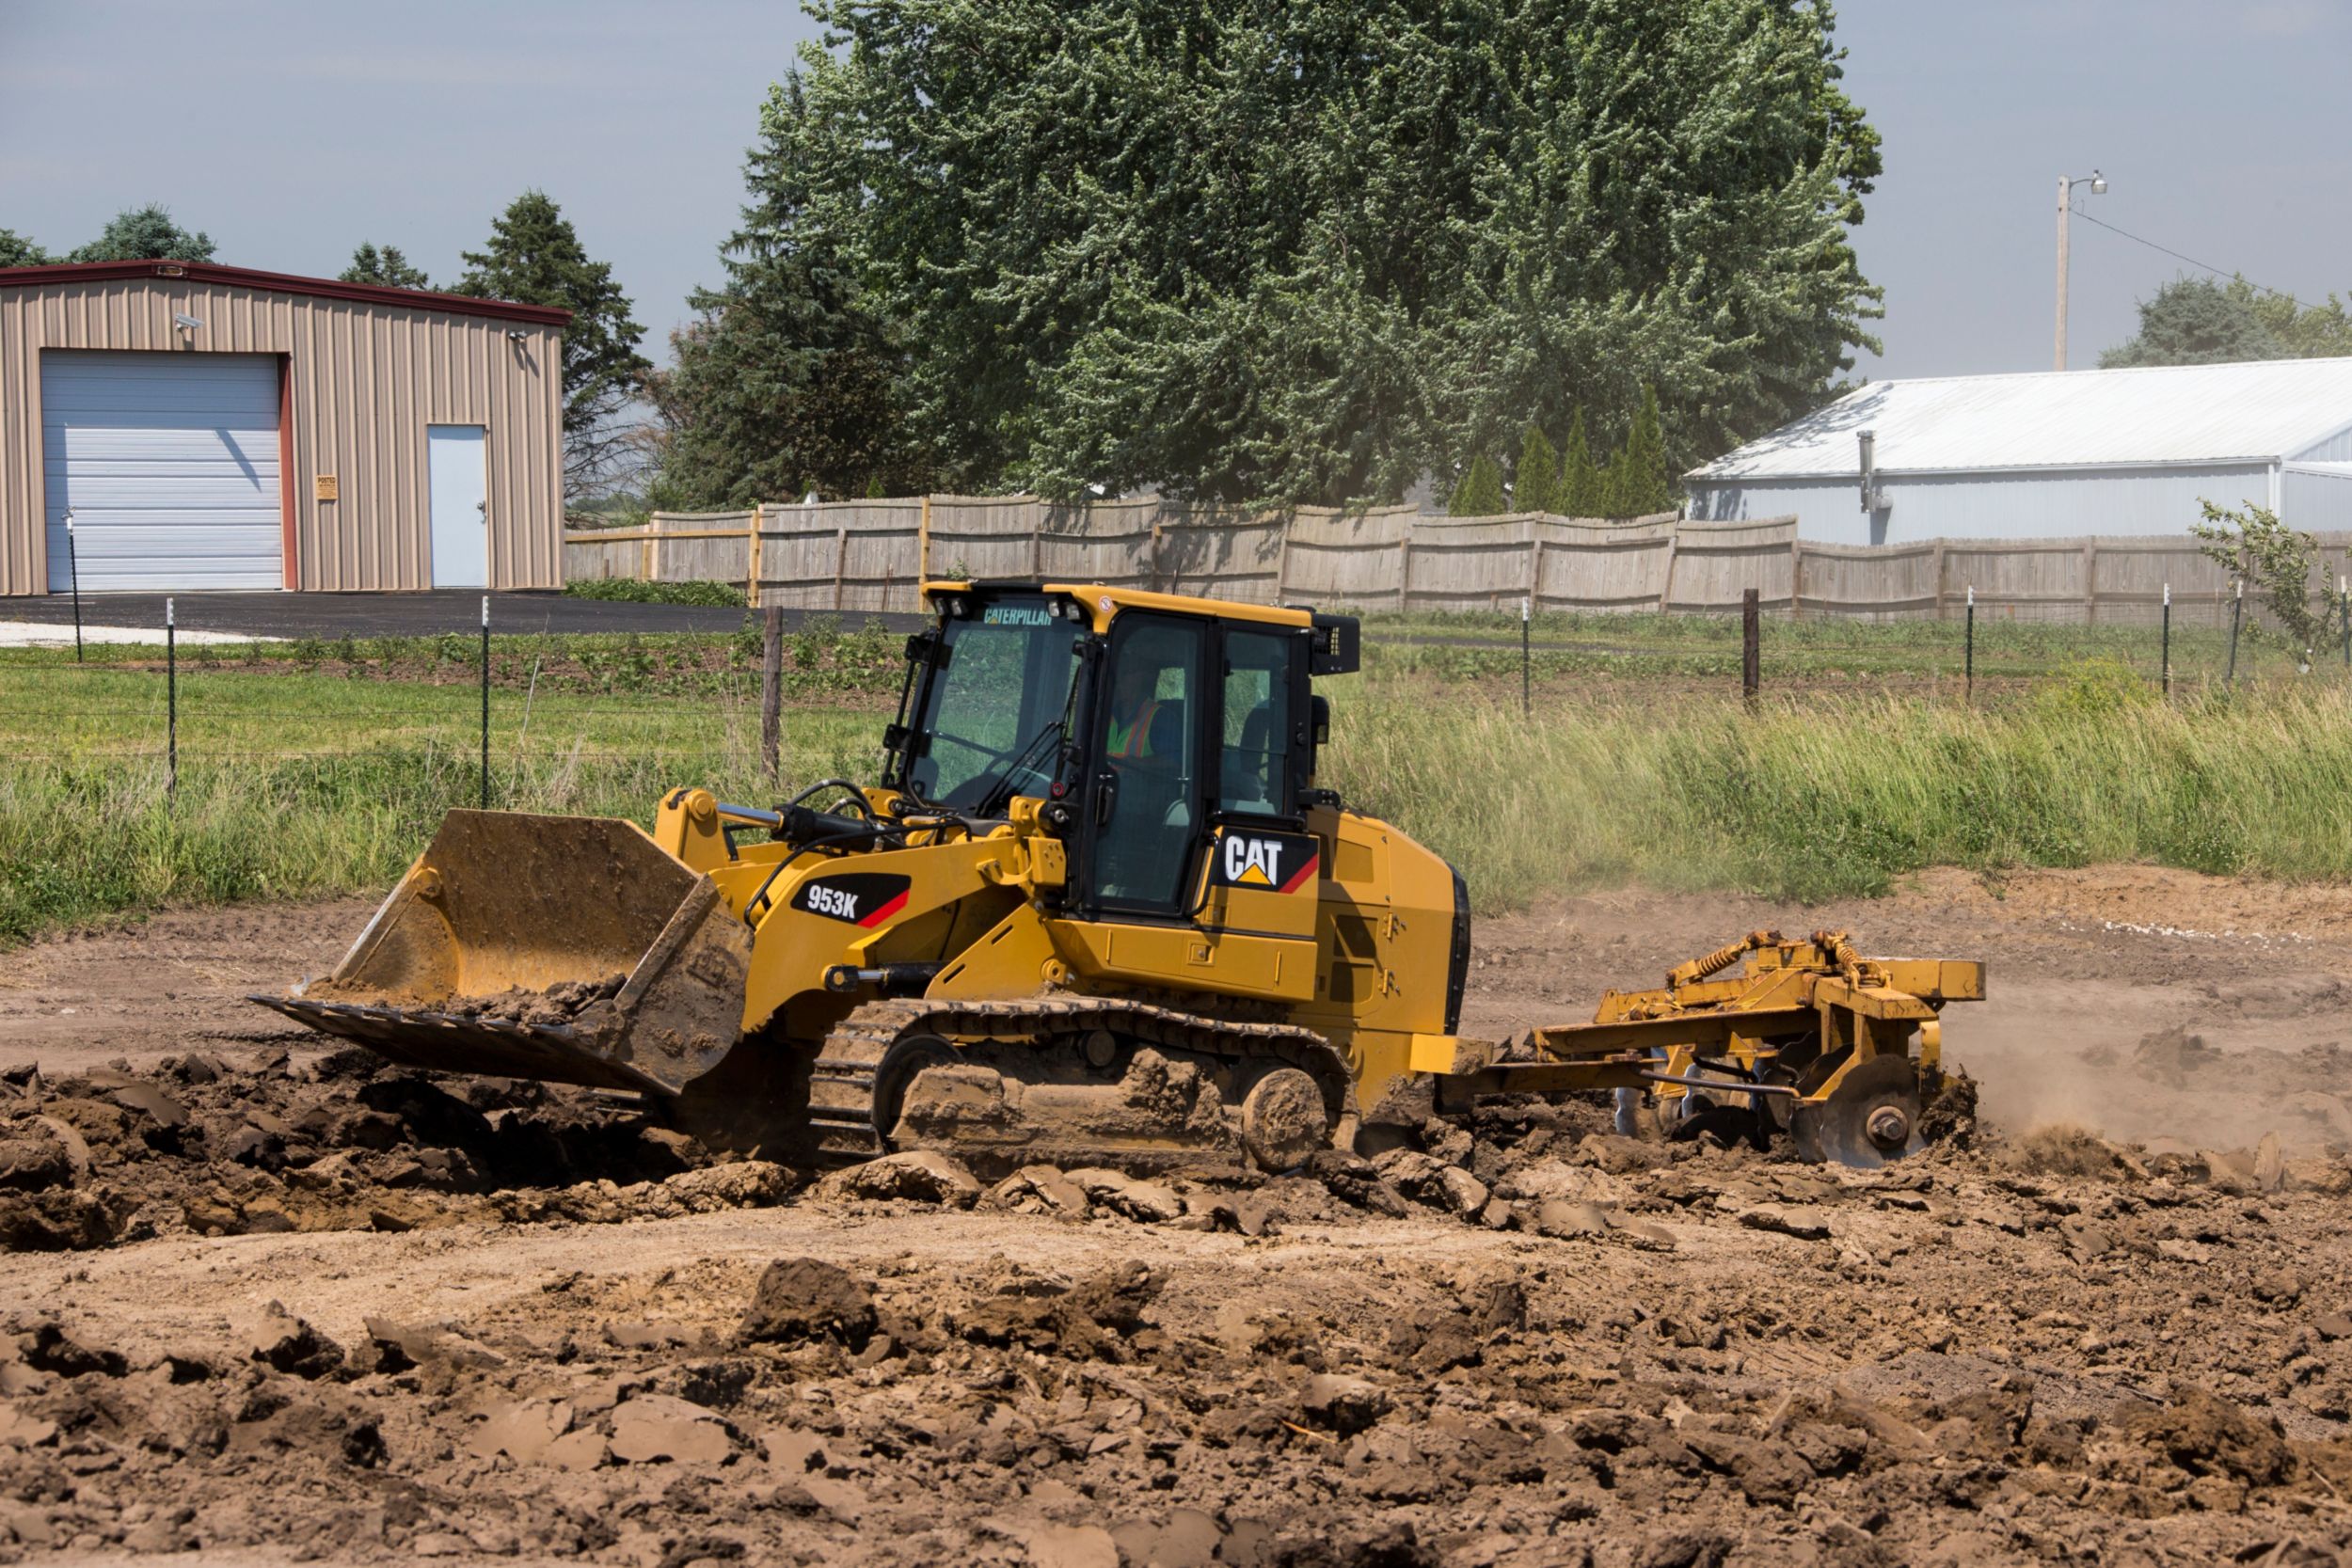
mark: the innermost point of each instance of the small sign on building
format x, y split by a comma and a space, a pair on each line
326, 488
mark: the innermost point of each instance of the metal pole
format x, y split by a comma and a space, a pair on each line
171, 702
771, 693
2065, 190
1527, 690
1751, 644
1971, 644
2168, 643
2237, 610
73, 574
485, 701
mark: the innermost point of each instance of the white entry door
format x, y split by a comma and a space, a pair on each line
461, 500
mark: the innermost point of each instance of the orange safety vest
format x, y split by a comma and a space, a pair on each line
1134, 739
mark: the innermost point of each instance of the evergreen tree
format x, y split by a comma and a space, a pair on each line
1536, 485
1579, 489
2193, 321
784, 383
1480, 493
1308, 250
145, 233
536, 258
1645, 486
16, 250
387, 266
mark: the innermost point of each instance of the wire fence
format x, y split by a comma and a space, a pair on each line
521, 711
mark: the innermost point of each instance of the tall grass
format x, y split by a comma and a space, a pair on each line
1809, 797
1826, 796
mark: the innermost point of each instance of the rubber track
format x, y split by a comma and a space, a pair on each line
841, 1080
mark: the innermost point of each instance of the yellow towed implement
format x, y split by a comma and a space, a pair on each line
1094, 906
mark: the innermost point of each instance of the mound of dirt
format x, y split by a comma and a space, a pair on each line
206, 1147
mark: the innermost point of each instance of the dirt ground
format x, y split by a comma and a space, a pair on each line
262, 1300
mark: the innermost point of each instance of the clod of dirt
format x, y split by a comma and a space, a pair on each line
399, 1346
1342, 1403
1040, 1188
560, 1004
51, 1349
656, 1427
2203, 1435
921, 1175
1147, 1202
1093, 1318
2065, 1149
1426, 1179
801, 1298
285, 1342
1560, 1219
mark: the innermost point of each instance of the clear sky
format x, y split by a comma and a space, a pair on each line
291, 131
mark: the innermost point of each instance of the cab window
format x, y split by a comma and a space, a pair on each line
1254, 775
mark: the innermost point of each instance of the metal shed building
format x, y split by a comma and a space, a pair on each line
2054, 453
214, 427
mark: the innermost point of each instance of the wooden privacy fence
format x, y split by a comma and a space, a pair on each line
871, 555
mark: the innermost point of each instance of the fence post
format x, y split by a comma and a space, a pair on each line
771, 693
2168, 643
1970, 641
652, 547
751, 556
73, 575
171, 703
2344, 602
2237, 610
1404, 568
840, 564
1751, 644
485, 701
1796, 575
1527, 691
923, 543
1666, 584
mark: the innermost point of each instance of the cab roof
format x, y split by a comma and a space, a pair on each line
1103, 602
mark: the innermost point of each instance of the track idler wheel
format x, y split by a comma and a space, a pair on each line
1284, 1119
1871, 1116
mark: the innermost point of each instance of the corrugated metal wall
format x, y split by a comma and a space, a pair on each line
367, 379
2336, 449
2316, 502
1992, 505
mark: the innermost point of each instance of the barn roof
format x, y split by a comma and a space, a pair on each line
2256, 411
280, 282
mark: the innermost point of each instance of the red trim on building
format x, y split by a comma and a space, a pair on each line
283, 283
292, 573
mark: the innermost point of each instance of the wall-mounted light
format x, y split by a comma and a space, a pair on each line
184, 321
517, 334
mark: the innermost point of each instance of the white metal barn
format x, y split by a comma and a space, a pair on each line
2056, 453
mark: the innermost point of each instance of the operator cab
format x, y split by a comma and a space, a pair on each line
1145, 723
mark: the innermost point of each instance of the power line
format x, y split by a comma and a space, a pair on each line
2192, 260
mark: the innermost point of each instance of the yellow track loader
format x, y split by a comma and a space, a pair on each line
1095, 907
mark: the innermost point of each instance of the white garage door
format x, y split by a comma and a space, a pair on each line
169, 465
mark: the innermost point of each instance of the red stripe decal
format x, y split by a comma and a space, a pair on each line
885, 911
1303, 872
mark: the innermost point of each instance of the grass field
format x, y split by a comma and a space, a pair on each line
324, 767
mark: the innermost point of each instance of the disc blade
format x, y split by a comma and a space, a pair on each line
1838, 1130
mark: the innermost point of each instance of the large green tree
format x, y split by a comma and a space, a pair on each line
2194, 321
1536, 479
371, 264
145, 233
18, 250
783, 382
536, 258
1308, 250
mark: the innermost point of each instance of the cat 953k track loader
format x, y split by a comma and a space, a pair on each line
1095, 907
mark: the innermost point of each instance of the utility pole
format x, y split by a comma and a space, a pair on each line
2067, 182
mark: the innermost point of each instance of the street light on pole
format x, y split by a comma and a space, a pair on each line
2098, 184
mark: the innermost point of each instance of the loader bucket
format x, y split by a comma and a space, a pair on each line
572, 949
